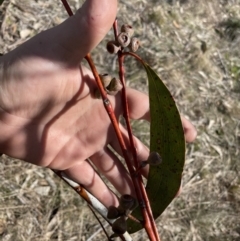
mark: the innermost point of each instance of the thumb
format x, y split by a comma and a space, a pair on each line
83, 31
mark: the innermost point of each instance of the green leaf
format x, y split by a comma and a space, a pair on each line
166, 138
1, 1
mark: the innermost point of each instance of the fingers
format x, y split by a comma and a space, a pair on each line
111, 167
83, 31
139, 109
142, 150
84, 174
138, 104
189, 130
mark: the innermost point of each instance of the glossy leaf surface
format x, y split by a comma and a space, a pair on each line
166, 138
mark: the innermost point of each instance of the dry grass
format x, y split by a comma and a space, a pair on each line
194, 46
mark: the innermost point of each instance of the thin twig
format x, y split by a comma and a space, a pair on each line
96, 233
67, 7
90, 199
99, 221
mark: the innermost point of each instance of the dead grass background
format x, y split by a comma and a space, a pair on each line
194, 46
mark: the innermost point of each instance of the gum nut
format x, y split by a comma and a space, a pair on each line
124, 39
112, 212
115, 85
106, 79
127, 29
119, 226
113, 47
127, 202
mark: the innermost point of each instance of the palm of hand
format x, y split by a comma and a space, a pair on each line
59, 123
48, 114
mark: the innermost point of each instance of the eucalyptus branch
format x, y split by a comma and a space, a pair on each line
148, 221
90, 199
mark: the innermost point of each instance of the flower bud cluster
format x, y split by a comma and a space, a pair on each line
111, 85
126, 204
124, 39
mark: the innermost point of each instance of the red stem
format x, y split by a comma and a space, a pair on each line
142, 195
133, 55
149, 223
136, 182
107, 105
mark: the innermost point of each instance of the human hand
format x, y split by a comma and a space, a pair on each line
48, 115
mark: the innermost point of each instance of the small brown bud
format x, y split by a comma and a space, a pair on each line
114, 86
127, 202
113, 47
134, 45
120, 226
154, 159
127, 29
124, 39
113, 212
106, 79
